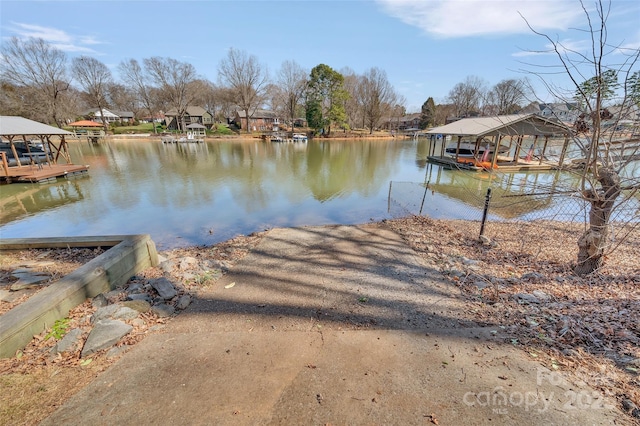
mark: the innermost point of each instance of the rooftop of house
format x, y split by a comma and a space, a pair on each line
193, 111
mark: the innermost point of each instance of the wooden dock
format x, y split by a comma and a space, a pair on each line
35, 173
171, 139
503, 166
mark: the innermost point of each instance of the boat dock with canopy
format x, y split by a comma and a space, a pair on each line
508, 142
44, 164
90, 129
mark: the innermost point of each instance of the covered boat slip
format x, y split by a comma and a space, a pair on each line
508, 142
45, 164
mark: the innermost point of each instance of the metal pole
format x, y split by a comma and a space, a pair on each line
426, 188
484, 213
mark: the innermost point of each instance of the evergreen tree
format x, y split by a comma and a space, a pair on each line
428, 114
326, 98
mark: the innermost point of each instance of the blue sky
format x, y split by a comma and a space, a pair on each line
425, 47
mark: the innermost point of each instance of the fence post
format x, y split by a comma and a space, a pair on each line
426, 188
484, 213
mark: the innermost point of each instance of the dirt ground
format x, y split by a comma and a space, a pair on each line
599, 345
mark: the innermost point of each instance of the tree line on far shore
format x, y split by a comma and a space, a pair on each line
40, 82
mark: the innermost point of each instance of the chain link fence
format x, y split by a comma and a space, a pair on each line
517, 198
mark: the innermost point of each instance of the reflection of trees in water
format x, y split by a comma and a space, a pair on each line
23, 200
252, 173
422, 152
524, 195
339, 169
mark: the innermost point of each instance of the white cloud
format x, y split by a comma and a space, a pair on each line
57, 38
51, 35
468, 18
73, 48
89, 40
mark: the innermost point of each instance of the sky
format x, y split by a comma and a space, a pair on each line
425, 47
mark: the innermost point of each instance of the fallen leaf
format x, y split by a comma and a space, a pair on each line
230, 285
432, 419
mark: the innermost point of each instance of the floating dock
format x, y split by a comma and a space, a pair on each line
42, 173
503, 166
170, 139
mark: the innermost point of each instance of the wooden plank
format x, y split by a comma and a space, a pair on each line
111, 269
62, 242
33, 173
502, 167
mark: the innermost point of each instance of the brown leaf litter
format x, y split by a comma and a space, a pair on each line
587, 325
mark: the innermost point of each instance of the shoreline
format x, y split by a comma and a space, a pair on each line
239, 138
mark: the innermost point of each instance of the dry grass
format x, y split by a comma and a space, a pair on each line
28, 398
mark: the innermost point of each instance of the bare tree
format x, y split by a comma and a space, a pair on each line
134, 77
122, 98
292, 82
227, 105
36, 66
95, 79
608, 183
174, 79
378, 96
275, 100
354, 104
11, 99
398, 111
443, 111
246, 78
208, 96
467, 97
507, 96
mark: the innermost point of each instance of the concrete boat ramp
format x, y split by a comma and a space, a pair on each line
331, 325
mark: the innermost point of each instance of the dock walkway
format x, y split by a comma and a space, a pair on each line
503, 166
41, 173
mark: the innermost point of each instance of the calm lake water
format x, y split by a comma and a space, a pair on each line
200, 194
186, 194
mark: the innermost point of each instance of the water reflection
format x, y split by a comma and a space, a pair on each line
202, 193
29, 199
